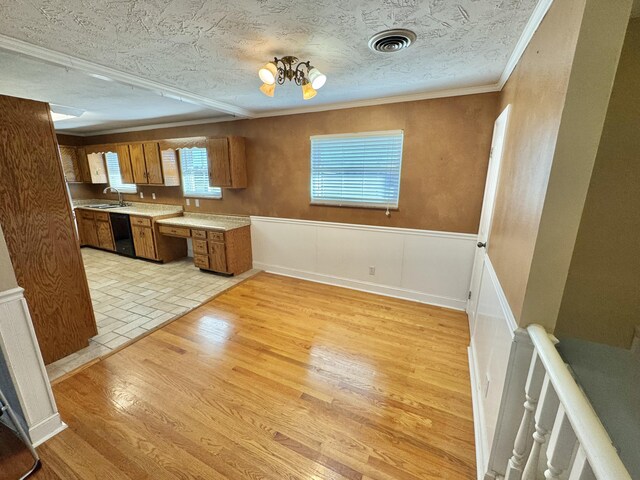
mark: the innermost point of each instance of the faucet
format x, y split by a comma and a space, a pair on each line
113, 189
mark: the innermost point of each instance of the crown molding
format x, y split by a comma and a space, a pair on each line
453, 92
95, 69
530, 28
155, 126
457, 92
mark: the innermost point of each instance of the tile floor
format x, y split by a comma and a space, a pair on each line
132, 296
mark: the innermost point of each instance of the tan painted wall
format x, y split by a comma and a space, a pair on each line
446, 150
602, 297
553, 140
536, 91
7, 276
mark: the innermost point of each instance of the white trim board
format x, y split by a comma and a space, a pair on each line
527, 34
419, 265
478, 418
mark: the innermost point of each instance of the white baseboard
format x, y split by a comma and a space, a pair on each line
46, 429
384, 290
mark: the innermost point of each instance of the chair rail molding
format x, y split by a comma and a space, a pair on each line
19, 347
421, 265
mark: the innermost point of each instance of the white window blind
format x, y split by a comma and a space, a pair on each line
356, 169
195, 174
115, 179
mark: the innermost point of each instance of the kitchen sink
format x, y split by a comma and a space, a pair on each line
103, 205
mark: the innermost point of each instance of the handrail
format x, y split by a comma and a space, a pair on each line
591, 434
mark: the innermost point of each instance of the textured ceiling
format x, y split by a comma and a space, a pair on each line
214, 48
107, 105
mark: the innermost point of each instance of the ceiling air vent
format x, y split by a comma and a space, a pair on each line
392, 40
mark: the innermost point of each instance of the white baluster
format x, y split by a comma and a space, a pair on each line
581, 470
544, 417
532, 393
561, 444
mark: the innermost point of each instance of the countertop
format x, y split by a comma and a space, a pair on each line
192, 220
211, 222
133, 208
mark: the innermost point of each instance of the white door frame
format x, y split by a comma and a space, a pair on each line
486, 217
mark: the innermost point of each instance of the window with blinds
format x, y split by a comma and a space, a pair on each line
360, 169
195, 174
115, 179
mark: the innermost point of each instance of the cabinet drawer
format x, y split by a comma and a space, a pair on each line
87, 215
102, 216
216, 236
199, 234
201, 261
140, 221
200, 247
175, 231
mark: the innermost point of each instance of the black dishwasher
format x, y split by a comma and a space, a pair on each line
121, 227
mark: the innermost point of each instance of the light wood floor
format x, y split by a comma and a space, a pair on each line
276, 379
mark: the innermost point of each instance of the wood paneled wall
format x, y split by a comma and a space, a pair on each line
445, 155
38, 227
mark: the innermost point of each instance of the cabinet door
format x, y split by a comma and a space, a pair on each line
84, 172
237, 162
137, 163
69, 158
218, 257
105, 237
219, 167
143, 242
89, 234
170, 170
124, 160
153, 162
97, 168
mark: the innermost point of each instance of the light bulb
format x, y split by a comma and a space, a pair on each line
268, 73
267, 89
308, 92
317, 78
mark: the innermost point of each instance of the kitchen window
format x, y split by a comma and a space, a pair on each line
195, 174
360, 169
115, 178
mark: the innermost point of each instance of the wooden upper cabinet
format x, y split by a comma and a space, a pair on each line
70, 163
153, 162
136, 155
124, 161
227, 162
97, 168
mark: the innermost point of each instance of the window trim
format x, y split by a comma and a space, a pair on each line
195, 196
348, 204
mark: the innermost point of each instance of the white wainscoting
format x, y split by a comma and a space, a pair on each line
19, 347
421, 265
489, 355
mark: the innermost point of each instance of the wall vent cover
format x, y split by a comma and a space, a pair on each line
390, 41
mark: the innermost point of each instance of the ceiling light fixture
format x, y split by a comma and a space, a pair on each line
282, 69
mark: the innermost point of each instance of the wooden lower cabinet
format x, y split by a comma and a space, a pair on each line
94, 229
224, 252
150, 243
105, 236
143, 242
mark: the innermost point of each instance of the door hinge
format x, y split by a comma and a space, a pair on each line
469, 297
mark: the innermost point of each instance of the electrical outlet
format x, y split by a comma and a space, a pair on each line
197, 203
153, 195
188, 202
372, 270
141, 195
